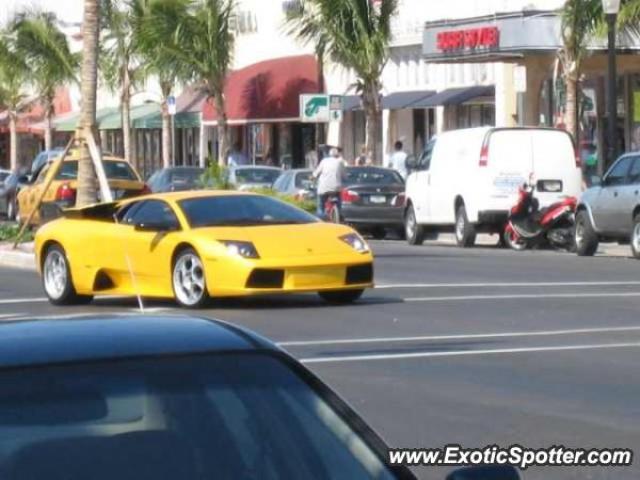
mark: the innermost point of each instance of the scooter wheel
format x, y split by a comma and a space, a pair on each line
518, 243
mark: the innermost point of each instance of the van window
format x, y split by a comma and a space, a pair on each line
424, 163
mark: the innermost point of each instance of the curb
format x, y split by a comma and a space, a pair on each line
17, 258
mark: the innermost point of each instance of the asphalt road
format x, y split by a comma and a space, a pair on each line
477, 347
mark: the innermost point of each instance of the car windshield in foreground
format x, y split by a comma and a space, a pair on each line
114, 170
257, 175
372, 176
241, 416
239, 210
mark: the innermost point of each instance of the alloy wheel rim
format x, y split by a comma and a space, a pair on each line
579, 233
411, 225
636, 237
460, 227
55, 274
188, 279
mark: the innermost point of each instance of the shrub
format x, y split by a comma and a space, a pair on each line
9, 232
307, 205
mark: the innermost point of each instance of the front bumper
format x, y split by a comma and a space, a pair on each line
240, 277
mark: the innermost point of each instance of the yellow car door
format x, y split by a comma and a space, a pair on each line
29, 197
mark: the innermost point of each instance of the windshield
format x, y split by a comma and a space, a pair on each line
303, 180
372, 176
257, 175
113, 169
185, 177
240, 416
230, 210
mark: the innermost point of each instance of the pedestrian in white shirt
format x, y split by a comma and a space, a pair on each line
329, 174
398, 160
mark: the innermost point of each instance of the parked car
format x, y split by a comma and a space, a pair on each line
175, 179
610, 210
9, 189
4, 174
373, 200
248, 177
123, 180
43, 158
469, 179
297, 183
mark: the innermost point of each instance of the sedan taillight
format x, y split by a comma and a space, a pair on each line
349, 196
65, 193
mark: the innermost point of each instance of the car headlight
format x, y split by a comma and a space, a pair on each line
240, 248
356, 242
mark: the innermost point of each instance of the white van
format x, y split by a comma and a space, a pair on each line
469, 179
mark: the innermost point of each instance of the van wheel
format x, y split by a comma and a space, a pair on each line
413, 231
635, 237
465, 230
586, 239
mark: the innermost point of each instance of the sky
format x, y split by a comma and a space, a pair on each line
66, 10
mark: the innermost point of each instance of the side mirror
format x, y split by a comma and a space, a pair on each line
485, 472
154, 227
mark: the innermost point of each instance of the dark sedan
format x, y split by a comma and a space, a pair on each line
373, 200
175, 179
9, 189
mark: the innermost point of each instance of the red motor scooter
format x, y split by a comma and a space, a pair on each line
530, 226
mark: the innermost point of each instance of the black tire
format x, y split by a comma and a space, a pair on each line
414, 232
635, 237
465, 231
334, 215
341, 297
199, 296
11, 208
378, 233
66, 293
586, 238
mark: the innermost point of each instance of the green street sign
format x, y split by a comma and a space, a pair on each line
314, 108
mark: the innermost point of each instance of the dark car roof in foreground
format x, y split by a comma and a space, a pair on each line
37, 342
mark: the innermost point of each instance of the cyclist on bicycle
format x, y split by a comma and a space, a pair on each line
329, 175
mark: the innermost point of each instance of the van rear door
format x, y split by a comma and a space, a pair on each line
554, 165
510, 163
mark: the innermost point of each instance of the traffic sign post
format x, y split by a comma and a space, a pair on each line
171, 105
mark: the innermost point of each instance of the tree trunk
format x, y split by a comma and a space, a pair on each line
167, 147
87, 191
320, 127
371, 105
13, 138
223, 130
126, 115
48, 129
571, 107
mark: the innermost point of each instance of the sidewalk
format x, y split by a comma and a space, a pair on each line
22, 257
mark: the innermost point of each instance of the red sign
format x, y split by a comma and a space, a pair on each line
486, 37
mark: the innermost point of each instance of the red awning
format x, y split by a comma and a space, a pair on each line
31, 120
267, 91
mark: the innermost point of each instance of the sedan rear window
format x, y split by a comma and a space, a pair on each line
241, 210
210, 416
372, 176
113, 170
257, 175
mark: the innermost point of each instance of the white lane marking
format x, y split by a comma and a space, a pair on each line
541, 296
507, 284
11, 301
473, 336
9, 315
460, 353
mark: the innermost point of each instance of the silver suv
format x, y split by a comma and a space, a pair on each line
610, 210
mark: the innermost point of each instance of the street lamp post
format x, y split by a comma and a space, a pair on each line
611, 9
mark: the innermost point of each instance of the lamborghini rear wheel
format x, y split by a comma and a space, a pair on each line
188, 278
57, 280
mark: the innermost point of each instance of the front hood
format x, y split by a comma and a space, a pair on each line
278, 241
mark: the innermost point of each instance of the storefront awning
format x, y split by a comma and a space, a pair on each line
267, 91
31, 119
455, 96
402, 100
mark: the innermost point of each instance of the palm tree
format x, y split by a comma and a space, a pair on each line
13, 81
159, 62
581, 21
197, 35
304, 23
46, 51
87, 192
357, 33
119, 64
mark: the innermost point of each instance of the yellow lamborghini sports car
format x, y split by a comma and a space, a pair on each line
196, 245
